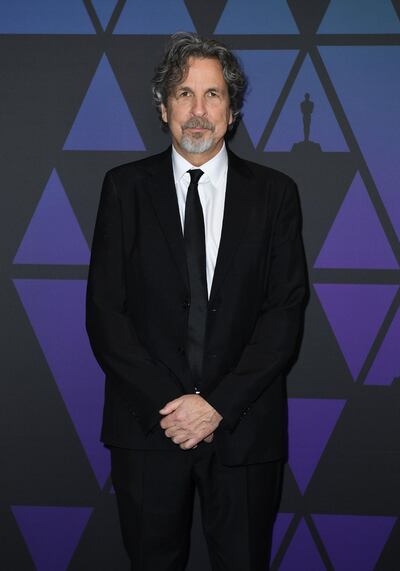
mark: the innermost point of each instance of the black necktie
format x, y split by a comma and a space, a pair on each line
194, 236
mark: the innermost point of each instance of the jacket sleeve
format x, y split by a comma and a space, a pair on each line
274, 341
144, 383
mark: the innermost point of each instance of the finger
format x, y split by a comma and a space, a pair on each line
175, 431
167, 422
169, 433
188, 444
178, 434
182, 437
170, 406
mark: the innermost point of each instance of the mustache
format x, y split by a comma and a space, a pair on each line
198, 123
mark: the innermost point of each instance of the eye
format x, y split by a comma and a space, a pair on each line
184, 94
212, 94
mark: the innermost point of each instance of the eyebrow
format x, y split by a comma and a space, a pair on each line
185, 88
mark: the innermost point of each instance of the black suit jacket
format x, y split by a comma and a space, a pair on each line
137, 307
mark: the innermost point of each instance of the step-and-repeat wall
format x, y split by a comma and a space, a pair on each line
323, 106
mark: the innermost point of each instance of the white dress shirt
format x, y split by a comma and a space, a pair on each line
211, 187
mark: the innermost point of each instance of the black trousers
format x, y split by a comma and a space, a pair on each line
155, 495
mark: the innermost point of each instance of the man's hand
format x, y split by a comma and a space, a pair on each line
189, 419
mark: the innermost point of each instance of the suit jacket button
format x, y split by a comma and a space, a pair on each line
181, 350
186, 304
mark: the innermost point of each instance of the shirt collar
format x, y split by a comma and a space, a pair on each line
213, 169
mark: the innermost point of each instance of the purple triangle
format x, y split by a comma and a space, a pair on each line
358, 74
282, 522
56, 309
51, 533
354, 542
355, 313
104, 10
311, 423
324, 129
356, 239
267, 72
302, 552
386, 366
104, 122
53, 235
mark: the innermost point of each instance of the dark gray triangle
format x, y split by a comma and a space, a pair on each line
308, 15
205, 14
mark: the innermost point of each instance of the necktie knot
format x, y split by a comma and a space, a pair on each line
195, 175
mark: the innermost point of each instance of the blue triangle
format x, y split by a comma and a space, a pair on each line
42, 17
255, 17
56, 310
267, 71
359, 74
355, 17
354, 542
355, 313
356, 239
281, 525
386, 367
53, 235
302, 552
289, 126
51, 533
311, 423
104, 10
104, 122
155, 17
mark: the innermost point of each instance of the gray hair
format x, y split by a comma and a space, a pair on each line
173, 68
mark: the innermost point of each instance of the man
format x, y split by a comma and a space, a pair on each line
195, 299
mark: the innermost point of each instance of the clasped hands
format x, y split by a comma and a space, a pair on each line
188, 420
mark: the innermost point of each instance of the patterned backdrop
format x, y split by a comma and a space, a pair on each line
323, 107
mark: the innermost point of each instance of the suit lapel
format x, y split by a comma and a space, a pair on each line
236, 213
161, 187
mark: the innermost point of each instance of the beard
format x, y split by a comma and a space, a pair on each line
196, 143
193, 146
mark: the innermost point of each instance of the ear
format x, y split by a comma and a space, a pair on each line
164, 113
231, 119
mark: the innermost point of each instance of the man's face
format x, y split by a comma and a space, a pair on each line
198, 111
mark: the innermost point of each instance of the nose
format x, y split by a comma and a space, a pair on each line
198, 107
